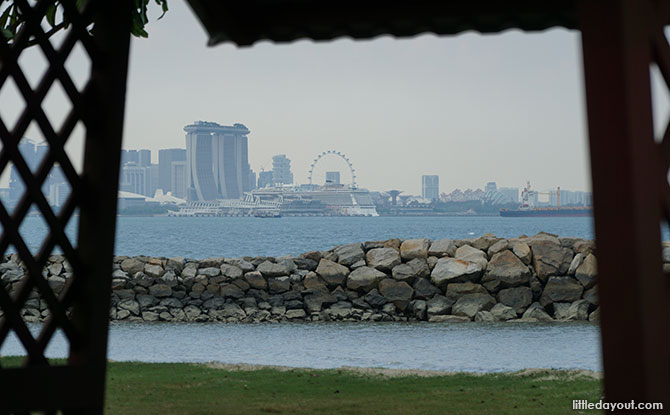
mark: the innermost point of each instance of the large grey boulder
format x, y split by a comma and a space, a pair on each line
279, 284
314, 302
340, 310
576, 262
536, 312
415, 268
423, 289
418, 309
160, 290
256, 280
579, 310
350, 254
442, 247
270, 269
455, 291
190, 270
438, 305
414, 248
132, 266
501, 312
153, 270
242, 264
130, 305
314, 283
396, 292
231, 291
375, 299
497, 247
484, 317
508, 269
469, 304
587, 272
468, 253
519, 298
550, 258
231, 271
332, 273
522, 251
364, 279
232, 310
448, 270
561, 289
561, 310
384, 259
209, 271
484, 241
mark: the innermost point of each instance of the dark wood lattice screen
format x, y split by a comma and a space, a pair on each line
80, 311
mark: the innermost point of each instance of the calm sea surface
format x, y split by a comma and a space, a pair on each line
248, 236
471, 347
452, 347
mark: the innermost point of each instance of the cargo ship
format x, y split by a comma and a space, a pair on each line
526, 210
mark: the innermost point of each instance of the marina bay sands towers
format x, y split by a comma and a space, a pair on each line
217, 164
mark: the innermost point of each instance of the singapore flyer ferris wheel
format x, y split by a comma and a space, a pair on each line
336, 154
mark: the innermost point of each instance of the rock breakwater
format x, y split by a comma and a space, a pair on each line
538, 278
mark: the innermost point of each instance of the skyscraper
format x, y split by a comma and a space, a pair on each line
264, 179
144, 158
217, 164
129, 156
165, 159
133, 179
178, 175
333, 177
430, 187
281, 170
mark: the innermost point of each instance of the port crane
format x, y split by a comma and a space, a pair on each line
527, 192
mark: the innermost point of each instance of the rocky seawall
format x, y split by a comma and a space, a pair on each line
538, 278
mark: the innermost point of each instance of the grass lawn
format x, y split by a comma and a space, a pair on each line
179, 388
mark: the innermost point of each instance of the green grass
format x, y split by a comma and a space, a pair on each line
148, 388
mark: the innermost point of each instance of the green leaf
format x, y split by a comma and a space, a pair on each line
50, 14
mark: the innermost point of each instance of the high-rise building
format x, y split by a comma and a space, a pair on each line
153, 179
129, 156
281, 170
333, 177
144, 158
511, 193
264, 179
217, 162
133, 179
491, 187
178, 175
430, 187
165, 159
252, 180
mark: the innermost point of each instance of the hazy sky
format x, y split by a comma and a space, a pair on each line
471, 108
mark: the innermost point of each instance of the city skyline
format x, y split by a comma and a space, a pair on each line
467, 108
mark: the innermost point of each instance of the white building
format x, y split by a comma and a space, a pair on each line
430, 187
281, 170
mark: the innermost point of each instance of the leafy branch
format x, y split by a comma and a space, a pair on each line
12, 18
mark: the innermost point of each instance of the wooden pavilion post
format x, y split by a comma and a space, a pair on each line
617, 52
